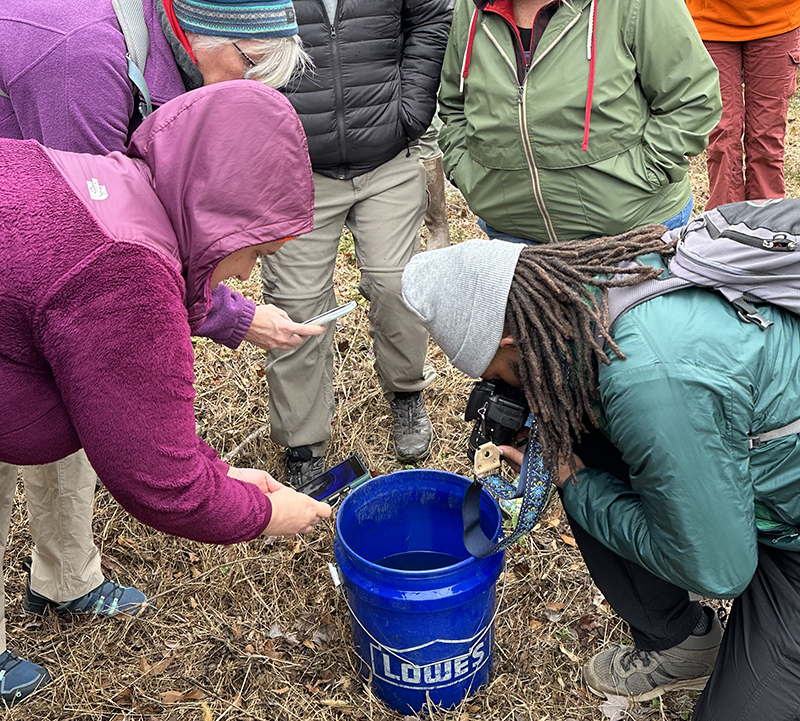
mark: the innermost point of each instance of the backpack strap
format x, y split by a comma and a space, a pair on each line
130, 16
754, 440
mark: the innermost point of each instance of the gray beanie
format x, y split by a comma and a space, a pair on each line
460, 295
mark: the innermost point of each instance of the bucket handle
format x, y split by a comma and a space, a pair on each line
397, 651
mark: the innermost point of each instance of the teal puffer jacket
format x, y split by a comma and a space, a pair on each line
514, 141
696, 382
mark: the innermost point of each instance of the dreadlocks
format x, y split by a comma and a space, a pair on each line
554, 316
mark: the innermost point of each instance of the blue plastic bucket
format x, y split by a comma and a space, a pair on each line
422, 608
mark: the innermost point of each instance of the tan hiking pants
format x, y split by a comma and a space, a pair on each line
383, 210
60, 499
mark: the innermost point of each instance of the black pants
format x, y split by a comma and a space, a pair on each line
757, 674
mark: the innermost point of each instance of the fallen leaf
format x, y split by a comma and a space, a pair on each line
320, 636
110, 563
569, 540
614, 707
161, 666
144, 667
249, 648
588, 622
571, 656
280, 691
235, 630
533, 624
207, 715
196, 573
309, 644
194, 694
193, 602
552, 616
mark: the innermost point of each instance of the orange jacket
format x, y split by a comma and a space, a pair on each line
740, 20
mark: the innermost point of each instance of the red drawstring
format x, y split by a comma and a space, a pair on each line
177, 29
473, 24
591, 47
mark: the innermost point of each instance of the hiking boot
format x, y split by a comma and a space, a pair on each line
302, 466
19, 678
411, 428
108, 599
643, 675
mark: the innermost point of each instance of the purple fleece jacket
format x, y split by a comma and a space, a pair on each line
106, 265
63, 66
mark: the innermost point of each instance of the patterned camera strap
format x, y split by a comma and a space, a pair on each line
535, 482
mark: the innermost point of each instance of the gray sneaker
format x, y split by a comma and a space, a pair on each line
411, 428
642, 675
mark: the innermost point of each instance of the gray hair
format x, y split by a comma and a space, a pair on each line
282, 59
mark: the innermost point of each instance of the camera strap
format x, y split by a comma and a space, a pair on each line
535, 481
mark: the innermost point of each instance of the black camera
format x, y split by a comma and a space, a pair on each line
499, 411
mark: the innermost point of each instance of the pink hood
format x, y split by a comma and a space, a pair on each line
229, 163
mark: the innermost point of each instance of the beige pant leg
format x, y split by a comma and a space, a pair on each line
60, 497
299, 279
8, 485
385, 224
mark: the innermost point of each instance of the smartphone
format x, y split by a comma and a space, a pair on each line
331, 315
330, 485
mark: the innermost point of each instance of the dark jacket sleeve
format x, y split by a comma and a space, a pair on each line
426, 24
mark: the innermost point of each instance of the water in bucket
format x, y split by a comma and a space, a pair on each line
422, 608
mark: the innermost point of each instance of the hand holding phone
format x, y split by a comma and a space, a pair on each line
331, 315
350, 473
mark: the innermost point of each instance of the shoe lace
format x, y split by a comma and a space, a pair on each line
107, 590
405, 412
9, 664
637, 659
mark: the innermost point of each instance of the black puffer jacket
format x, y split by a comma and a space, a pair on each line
374, 82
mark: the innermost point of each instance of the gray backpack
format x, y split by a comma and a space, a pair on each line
747, 251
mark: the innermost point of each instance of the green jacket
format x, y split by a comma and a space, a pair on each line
696, 382
514, 147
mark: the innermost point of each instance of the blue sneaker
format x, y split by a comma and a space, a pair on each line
19, 678
107, 599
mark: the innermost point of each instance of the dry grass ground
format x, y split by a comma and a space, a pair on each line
256, 631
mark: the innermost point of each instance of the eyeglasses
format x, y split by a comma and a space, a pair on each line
252, 63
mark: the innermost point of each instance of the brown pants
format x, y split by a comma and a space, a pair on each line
753, 125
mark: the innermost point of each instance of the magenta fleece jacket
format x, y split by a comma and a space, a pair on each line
105, 269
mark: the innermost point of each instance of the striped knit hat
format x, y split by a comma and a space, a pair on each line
233, 18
